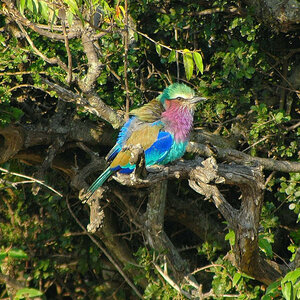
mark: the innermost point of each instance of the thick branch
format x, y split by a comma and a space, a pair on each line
245, 221
239, 157
18, 140
94, 64
91, 103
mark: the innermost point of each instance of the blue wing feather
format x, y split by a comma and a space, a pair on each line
122, 137
159, 148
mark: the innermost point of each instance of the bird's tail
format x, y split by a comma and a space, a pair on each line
99, 181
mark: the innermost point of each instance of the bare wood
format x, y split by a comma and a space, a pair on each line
90, 102
62, 14
239, 157
245, 221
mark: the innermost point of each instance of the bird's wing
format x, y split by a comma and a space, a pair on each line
156, 144
124, 134
149, 112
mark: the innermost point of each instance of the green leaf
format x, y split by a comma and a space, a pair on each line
43, 8
198, 61
236, 278
158, 49
17, 253
73, 6
172, 56
27, 292
265, 246
273, 287
188, 64
22, 6
30, 5
287, 291
278, 117
292, 276
266, 297
230, 236
70, 18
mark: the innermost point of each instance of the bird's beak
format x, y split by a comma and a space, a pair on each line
197, 99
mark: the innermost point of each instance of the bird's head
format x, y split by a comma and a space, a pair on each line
180, 94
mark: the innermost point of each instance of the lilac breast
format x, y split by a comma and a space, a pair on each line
178, 120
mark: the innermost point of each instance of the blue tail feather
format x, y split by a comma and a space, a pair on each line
100, 180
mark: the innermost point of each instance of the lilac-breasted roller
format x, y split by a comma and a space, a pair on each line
161, 128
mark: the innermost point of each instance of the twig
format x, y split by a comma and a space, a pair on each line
257, 142
176, 56
207, 267
52, 61
293, 126
62, 15
171, 282
15, 15
110, 258
92, 103
126, 36
33, 179
209, 11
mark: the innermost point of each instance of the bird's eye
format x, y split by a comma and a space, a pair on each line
179, 98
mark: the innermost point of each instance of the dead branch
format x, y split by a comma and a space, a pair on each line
90, 102
31, 178
232, 155
244, 221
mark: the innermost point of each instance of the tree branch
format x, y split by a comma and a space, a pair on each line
52, 60
91, 103
94, 64
14, 15
239, 157
62, 15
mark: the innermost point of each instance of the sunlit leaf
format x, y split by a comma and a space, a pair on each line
22, 6
172, 56
158, 49
287, 290
198, 61
27, 293
236, 278
188, 64
292, 276
230, 236
17, 253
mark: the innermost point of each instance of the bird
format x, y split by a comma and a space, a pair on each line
161, 127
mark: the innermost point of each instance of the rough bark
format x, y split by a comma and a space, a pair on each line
284, 15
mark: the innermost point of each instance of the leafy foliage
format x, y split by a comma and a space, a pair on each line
240, 64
